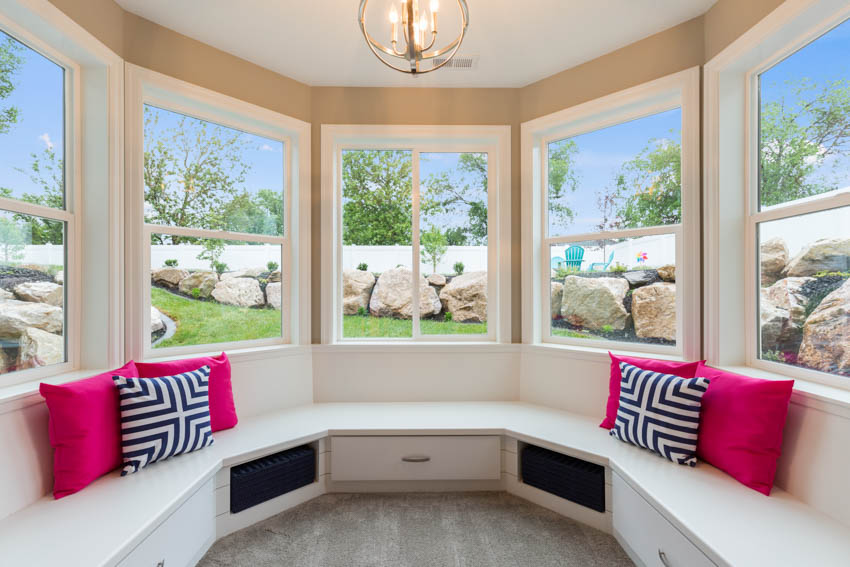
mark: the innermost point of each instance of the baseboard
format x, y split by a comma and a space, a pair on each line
629, 551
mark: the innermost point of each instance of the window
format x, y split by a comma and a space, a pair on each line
611, 209
801, 207
36, 214
211, 192
417, 218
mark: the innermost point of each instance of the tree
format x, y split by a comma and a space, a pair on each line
10, 61
649, 186
607, 203
433, 247
466, 192
192, 173
377, 198
46, 171
796, 139
563, 180
12, 239
260, 213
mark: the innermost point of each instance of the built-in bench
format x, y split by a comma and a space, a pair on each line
659, 511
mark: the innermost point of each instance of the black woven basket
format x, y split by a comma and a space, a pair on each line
256, 481
570, 478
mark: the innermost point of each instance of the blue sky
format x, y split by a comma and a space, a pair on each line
600, 156
39, 97
433, 164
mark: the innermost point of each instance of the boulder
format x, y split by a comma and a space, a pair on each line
437, 280
241, 292
391, 296
826, 334
654, 311
59, 277
466, 297
18, 316
593, 303
6, 295
826, 254
169, 277
557, 289
40, 348
640, 278
777, 330
667, 273
274, 277
246, 273
356, 290
788, 294
157, 323
41, 292
773, 257
204, 281
273, 297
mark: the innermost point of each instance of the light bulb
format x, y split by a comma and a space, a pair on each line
435, 5
393, 15
423, 24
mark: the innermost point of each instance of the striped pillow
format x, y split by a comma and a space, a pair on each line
163, 417
660, 412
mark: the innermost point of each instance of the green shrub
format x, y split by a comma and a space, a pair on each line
272, 265
219, 267
458, 268
196, 292
363, 267
825, 273
171, 262
447, 316
361, 311
773, 356
607, 329
619, 268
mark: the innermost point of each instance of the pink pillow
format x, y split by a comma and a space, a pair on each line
683, 369
222, 408
741, 425
85, 429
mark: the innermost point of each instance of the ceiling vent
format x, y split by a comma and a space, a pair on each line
466, 62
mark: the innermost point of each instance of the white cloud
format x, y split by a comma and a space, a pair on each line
47, 141
267, 148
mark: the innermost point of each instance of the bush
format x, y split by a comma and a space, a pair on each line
171, 263
619, 268
219, 267
361, 311
458, 268
196, 292
272, 265
447, 316
363, 267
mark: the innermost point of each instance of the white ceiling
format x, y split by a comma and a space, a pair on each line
318, 42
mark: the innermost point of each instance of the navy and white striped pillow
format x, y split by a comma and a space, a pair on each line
660, 412
163, 417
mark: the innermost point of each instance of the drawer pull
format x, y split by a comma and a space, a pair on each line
663, 557
416, 459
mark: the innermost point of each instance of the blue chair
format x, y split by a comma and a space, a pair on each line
557, 263
602, 266
573, 257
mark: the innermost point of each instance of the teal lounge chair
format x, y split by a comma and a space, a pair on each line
573, 257
602, 266
557, 263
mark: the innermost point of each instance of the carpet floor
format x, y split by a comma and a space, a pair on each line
474, 529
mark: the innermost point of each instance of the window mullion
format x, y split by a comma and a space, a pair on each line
216, 234
415, 266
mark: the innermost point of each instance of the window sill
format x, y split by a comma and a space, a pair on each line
595, 354
240, 355
415, 347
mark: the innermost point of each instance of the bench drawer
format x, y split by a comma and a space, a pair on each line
416, 458
182, 538
655, 541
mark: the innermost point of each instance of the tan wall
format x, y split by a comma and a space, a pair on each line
152, 46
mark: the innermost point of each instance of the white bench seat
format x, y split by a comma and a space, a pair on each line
730, 523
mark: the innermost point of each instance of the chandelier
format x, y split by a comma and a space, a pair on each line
418, 35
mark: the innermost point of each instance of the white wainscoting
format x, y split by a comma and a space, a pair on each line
565, 380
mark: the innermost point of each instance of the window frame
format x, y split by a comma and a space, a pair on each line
680, 90
755, 216
69, 215
145, 87
493, 140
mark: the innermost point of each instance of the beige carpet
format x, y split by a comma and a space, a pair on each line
486, 529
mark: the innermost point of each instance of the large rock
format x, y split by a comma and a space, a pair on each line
557, 290
59, 277
356, 290
242, 292
273, 296
169, 277
246, 273
654, 311
274, 277
41, 292
826, 254
778, 333
437, 280
640, 278
203, 281
466, 297
826, 334
594, 303
18, 316
6, 295
40, 348
788, 294
157, 324
391, 296
773, 257
667, 273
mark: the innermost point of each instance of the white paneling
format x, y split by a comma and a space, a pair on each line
26, 469
267, 384
563, 381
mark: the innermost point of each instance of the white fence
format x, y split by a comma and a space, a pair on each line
382, 258
659, 250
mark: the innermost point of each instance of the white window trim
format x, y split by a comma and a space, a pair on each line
495, 140
677, 90
731, 177
148, 87
93, 101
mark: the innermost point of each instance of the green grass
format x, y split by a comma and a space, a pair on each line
556, 332
205, 322
364, 326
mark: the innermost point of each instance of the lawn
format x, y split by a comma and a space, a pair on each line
364, 326
205, 322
